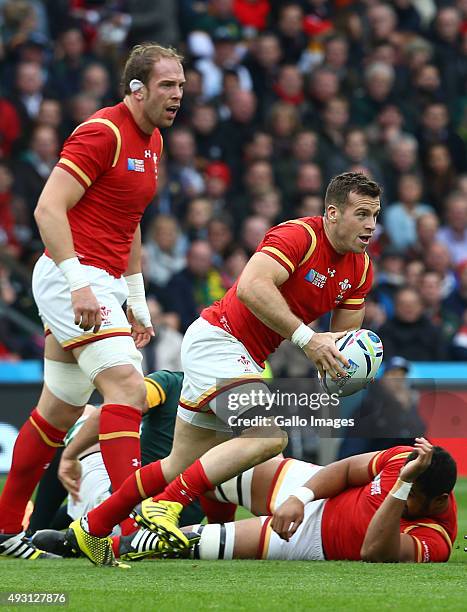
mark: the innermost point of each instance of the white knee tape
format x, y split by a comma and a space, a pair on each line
107, 353
237, 490
229, 540
227, 491
67, 382
217, 541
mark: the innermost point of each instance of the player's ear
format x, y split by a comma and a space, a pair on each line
331, 213
438, 504
137, 88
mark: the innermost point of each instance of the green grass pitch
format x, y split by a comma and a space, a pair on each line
285, 586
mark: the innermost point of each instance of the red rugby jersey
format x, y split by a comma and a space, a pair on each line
346, 517
116, 163
320, 280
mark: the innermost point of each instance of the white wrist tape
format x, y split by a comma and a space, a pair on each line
304, 494
137, 299
74, 273
401, 489
135, 284
302, 335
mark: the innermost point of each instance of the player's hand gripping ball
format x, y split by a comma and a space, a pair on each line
364, 352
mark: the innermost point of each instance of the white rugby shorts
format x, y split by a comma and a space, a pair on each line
53, 298
213, 361
306, 543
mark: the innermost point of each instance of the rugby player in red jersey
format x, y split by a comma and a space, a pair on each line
302, 269
395, 505
88, 216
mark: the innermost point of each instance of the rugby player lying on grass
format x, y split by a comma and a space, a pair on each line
388, 506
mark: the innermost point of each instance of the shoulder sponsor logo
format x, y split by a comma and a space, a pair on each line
147, 153
136, 165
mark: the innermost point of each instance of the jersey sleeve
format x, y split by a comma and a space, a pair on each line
155, 392
394, 457
91, 150
163, 386
356, 299
432, 542
289, 244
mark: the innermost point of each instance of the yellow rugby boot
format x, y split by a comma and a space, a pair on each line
97, 550
161, 517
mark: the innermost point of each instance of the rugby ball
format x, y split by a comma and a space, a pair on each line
363, 350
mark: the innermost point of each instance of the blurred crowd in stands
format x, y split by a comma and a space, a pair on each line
280, 96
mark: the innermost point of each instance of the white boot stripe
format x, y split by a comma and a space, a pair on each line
10, 550
17, 547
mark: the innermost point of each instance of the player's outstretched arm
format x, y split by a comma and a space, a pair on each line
383, 541
258, 289
137, 309
60, 194
328, 482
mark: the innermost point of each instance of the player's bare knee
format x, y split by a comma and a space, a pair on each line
122, 385
283, 440
62, 420
135, 387
175, 463
275, 444
267, 441
171, 467
58, 411
68, 417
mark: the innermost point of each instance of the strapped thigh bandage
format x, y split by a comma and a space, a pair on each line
217, 541
67, 382
237, 490
107, 353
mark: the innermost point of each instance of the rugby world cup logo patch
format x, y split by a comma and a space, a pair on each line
315, 278
135, 165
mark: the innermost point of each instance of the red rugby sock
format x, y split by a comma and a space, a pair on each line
119, 441
138, 486
116, 546
34, 449
216, 511
187, 486
128, 526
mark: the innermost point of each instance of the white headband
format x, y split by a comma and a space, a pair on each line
135, 85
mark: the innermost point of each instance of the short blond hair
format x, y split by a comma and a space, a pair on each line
141, 60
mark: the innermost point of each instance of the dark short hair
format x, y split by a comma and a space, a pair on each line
341, 185
141, 60
440, 476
